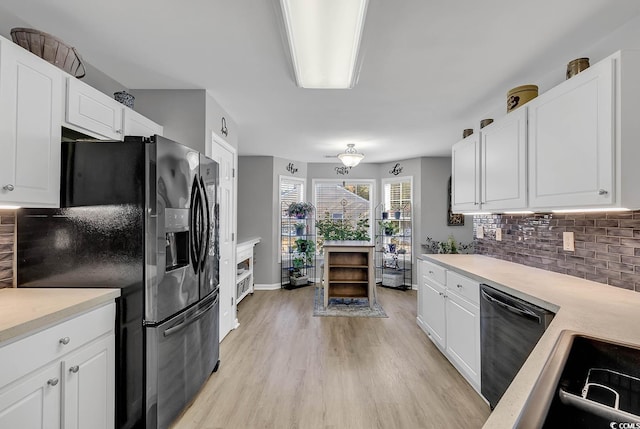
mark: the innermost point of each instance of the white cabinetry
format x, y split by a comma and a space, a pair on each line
504, 163
30, 133
489, 169
583, 138
92, 111
137, 125
449, 313
465, 169
463, 326
61, 377
431, 290
244, 273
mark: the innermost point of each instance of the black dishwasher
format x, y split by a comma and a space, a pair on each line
509, 330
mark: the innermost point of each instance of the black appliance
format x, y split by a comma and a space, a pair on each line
509, 330
139, 215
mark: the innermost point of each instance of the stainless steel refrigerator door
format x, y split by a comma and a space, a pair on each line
171, 231
181, 355
209, 269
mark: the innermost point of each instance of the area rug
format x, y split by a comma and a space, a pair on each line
345, 307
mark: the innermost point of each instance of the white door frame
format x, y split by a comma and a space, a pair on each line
216, 140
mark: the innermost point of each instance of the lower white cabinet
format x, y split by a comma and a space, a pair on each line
63, 376
449, 313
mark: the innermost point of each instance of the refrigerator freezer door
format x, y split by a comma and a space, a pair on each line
171, 173
209, 269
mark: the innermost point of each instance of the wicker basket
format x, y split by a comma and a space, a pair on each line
51, 49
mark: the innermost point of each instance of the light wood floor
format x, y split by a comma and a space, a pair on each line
284, 368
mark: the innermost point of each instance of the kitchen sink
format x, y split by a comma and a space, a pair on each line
587, 383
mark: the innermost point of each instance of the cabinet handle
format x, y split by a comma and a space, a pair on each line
52, 381
430, 272
64, 341
8, 187
120, 131
459, 286
74, 369
440, 293
602, 192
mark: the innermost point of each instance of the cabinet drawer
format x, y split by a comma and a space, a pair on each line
463, 286
434, 272
36, 350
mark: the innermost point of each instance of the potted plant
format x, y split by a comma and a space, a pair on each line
389, 227
296, 276
300, 210
300, 227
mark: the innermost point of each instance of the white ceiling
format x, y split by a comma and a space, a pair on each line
430, 68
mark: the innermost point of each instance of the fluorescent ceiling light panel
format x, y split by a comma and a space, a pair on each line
324, 38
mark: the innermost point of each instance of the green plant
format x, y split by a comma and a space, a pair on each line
300, 225
448, 246
389, 227
300, 210
343, 229
298, 264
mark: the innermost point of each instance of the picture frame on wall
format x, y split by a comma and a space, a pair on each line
453, 219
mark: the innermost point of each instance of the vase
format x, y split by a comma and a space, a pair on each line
300, 230
397, 215
385, 215
300, 216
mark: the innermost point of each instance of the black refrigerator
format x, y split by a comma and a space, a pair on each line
139, 215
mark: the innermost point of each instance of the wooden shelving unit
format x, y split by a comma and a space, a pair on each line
349, 270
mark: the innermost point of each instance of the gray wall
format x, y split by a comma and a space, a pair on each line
213, 124
256, 217
433, 196
180, 111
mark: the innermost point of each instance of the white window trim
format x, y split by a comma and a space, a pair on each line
281, 178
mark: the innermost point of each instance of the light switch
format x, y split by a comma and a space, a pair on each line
480, 232
568, 242
498, 234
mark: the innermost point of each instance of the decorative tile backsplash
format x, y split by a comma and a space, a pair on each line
7, 238
607, 245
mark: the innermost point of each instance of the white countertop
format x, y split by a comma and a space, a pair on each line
27, 310
581, 305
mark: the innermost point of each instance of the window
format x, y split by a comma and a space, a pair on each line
291, 191
398, 195
346, 206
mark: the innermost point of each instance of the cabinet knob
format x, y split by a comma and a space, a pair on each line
440, 293
64, 341
430, 272
120, 131
8, 187
74, 369
602, 192
52, 381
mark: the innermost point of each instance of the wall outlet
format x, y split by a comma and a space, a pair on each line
499, 234
568, 242
480, 231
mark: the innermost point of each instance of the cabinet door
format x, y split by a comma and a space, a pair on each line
463, 336
94, 111
434, 313
33, 402
89, 376
137, 125
30, 128
504, 163
465, 162
571, 142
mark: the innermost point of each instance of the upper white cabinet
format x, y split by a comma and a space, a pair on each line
503, 171
30, 128
137, 125
583, 138
93, 111
489, 169
465, 168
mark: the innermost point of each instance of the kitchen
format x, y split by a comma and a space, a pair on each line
270, 164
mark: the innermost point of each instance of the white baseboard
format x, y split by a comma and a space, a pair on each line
274, 286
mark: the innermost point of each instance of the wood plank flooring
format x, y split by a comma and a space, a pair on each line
284, 368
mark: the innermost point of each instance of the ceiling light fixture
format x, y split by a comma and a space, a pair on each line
324, 39
350, 157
